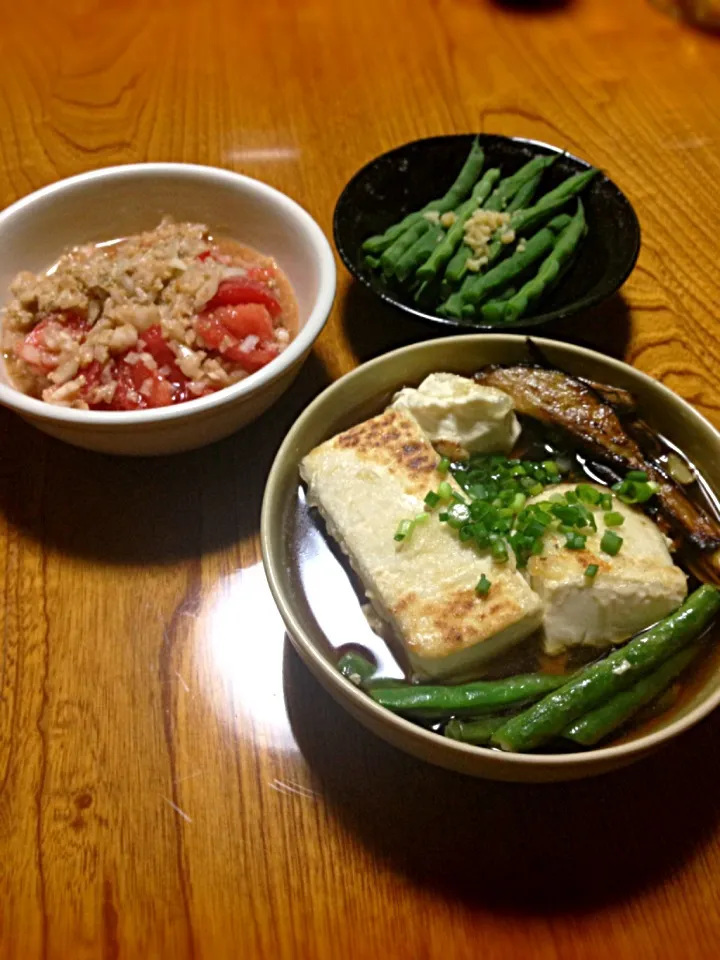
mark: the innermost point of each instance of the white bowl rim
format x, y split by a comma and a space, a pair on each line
17, 400
383, 717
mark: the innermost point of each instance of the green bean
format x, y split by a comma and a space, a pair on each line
457, 268
549, 269
423, 248
524, 194
356, 667
509, 187
458, 191
446, 248
392, 256
594, 726
470, 699
596, 684
478, 288
478, 732
525, 220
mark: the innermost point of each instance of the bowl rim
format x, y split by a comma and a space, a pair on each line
362, 704
448, 323
15, 399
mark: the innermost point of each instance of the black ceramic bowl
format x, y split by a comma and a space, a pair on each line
407, 178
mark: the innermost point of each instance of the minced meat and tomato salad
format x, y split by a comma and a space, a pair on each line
150, 320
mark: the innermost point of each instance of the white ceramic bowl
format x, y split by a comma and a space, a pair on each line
117, 201
362, 394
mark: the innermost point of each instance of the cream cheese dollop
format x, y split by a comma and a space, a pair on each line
459, 416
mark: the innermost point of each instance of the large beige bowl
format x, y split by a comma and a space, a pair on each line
117, 201
361, 394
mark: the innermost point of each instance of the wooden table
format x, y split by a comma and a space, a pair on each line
173, 783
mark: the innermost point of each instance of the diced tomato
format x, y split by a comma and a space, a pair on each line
239, 290
255, 359
225, 328
244, 320
34, 350
127, 395
153, 342
205, 255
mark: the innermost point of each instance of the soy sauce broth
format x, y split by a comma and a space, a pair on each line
336, 600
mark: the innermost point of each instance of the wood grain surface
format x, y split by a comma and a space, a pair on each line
173, 783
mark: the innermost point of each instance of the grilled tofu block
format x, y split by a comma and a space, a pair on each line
364, 482
630, 591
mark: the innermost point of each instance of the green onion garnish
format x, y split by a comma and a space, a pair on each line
443, 465
431, 499
588, 494
614, 519
403, 530
482, 587
611, 543
499, 551
591, 570
575, 541
636, 475
445, 491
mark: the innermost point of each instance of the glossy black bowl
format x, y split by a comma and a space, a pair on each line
407, 178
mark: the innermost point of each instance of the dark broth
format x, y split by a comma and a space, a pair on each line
334, 597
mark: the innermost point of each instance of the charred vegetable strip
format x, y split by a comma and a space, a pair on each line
597, 724
458, 191
619, 670
478, 732
555, 398
484, 696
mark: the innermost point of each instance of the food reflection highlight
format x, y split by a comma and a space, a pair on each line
239, 612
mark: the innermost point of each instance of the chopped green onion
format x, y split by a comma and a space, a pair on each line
636, 475
403, 530
549, 466
442, 517
499, 551
535, 489
588, 494
571, 497
458, 515
591, 570
611, 543
443, 466
482, 587
432, 499
614, 519
445, 491
575, 541
421, 518
606, 502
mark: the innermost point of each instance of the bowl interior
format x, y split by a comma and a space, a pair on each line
123, 200
317, 597
407, 178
